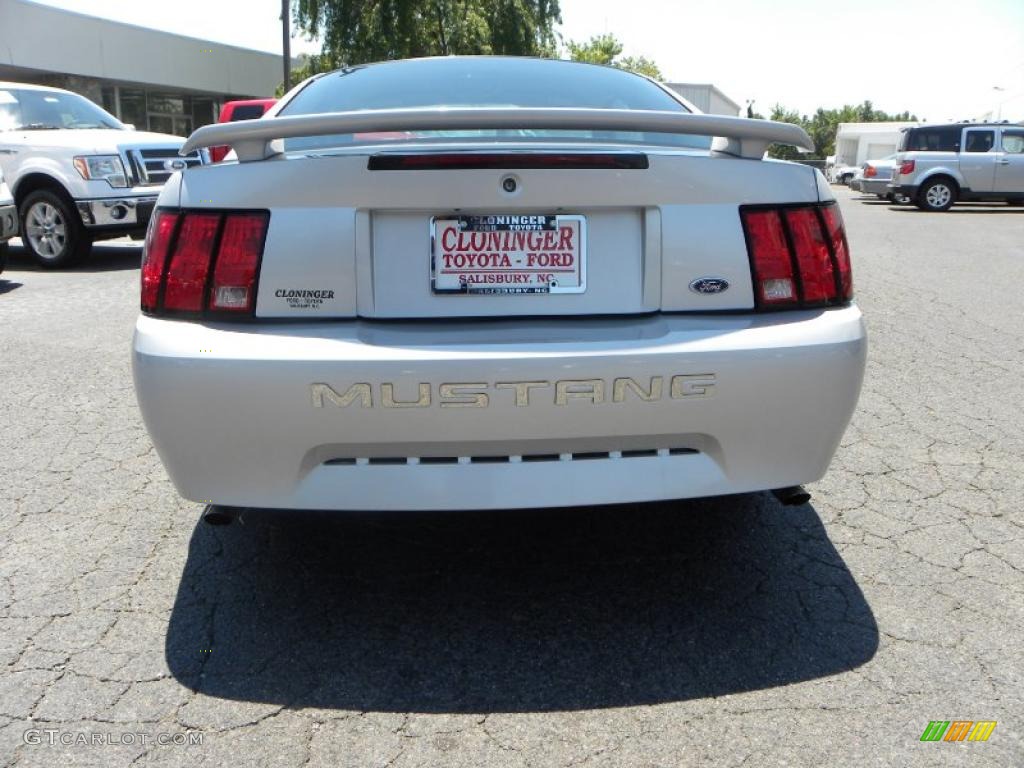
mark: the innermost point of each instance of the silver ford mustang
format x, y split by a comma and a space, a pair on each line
476, 283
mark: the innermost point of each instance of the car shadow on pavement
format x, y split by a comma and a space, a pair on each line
516, 611
102, 258
6, 286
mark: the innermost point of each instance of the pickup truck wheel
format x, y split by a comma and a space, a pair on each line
52, 230
3, 257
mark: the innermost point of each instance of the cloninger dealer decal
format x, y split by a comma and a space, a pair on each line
302, 299
509, 254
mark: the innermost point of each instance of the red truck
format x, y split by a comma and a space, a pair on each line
246, 109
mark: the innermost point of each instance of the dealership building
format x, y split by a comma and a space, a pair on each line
156, 80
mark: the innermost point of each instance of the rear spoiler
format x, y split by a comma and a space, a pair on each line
259, 139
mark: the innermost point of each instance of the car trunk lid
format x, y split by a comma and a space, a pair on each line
356, 233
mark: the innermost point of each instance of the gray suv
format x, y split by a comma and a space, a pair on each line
938, 165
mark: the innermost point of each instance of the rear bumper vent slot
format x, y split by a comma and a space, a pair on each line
525, 458
640, 453
449, 161
590, 455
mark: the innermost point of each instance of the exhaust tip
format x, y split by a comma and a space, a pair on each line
217, 515
793, 496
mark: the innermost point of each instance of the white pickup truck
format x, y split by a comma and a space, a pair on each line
77, 173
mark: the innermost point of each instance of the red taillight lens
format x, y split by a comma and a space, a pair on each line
158, 243
837, 237
907, 166
812, 255
190, 264
770, 260
870, 172
198, 261
234, 279
798, 256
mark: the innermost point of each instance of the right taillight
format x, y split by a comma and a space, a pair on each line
907, 166
199, 262
798, 256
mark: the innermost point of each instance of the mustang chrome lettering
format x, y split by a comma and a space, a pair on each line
476, 395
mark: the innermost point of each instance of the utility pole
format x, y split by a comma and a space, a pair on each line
286, 39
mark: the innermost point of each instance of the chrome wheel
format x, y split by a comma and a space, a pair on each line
46, 230
938, 196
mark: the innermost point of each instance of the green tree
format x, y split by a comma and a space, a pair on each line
600, 49
782, 115
823, 125
359, 31
313, 64
606, 49
641, 65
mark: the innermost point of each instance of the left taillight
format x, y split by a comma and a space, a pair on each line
799, 256
870, 172
199, 262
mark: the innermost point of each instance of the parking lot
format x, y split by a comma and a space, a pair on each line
730, 631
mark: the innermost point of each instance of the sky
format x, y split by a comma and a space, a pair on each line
940, 59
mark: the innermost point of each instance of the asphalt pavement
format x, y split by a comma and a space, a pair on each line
724, 632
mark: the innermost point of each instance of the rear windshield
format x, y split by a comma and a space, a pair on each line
484, 82
247, 112
942, 139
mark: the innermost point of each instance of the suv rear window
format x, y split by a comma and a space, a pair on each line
945, 139
980, 141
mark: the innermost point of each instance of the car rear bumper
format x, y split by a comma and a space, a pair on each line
8, 222
910, 190
388, 416
875, 186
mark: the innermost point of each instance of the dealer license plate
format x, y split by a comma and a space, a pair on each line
502, 254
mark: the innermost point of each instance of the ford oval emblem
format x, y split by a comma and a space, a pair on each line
709, 285
175, 165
